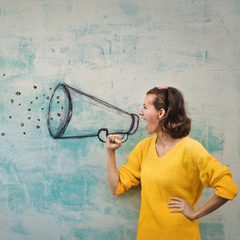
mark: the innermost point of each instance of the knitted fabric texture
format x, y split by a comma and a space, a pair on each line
183, 172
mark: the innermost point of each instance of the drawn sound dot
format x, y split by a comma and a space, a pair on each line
39, 119
3, 74
48, 98
58, 97
51, 118
22, 124
50, 88
62, 107
24, 133
34, 87
37, 127
3, 134
12, 101
10, 116
58, 102
59, 114
29, 118
19, 104
29, 109
18, 93
44, 95
42, 108
36, 97
31, 102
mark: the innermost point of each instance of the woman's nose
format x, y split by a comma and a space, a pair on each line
140, 112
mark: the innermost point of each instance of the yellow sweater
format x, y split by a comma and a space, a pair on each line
182, 172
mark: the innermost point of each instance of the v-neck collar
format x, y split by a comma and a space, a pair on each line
172, 149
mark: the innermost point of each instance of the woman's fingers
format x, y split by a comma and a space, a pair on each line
176, 210
114, 141
177, 203
181, 206
174, 204
177, 199
115, 138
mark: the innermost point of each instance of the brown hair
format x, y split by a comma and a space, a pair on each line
175, 122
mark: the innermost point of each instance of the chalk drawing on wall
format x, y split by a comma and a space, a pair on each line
75, 114
27, 110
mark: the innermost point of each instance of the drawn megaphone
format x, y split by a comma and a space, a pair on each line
76, 114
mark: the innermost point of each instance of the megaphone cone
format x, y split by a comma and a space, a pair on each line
76, 114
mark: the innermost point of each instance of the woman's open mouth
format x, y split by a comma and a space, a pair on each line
147, 124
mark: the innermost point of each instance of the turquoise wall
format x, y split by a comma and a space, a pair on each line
115, 50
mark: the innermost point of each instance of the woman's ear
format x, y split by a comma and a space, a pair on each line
161, 113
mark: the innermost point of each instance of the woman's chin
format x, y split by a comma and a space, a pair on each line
149, 132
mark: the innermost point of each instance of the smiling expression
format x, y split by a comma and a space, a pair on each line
150, 114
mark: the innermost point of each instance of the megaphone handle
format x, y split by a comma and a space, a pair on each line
102, 130
124, 138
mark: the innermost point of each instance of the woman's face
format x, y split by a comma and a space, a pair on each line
150, 114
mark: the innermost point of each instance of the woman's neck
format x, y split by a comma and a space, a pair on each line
164, 140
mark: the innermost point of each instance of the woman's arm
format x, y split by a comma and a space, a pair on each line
113, 143
188, 210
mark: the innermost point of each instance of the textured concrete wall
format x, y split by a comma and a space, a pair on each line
115, 50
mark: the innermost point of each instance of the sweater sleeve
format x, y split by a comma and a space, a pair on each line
213, 174
130, 174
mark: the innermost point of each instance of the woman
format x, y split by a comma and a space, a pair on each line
173, 170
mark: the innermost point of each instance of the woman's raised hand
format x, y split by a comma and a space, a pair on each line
113, 142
